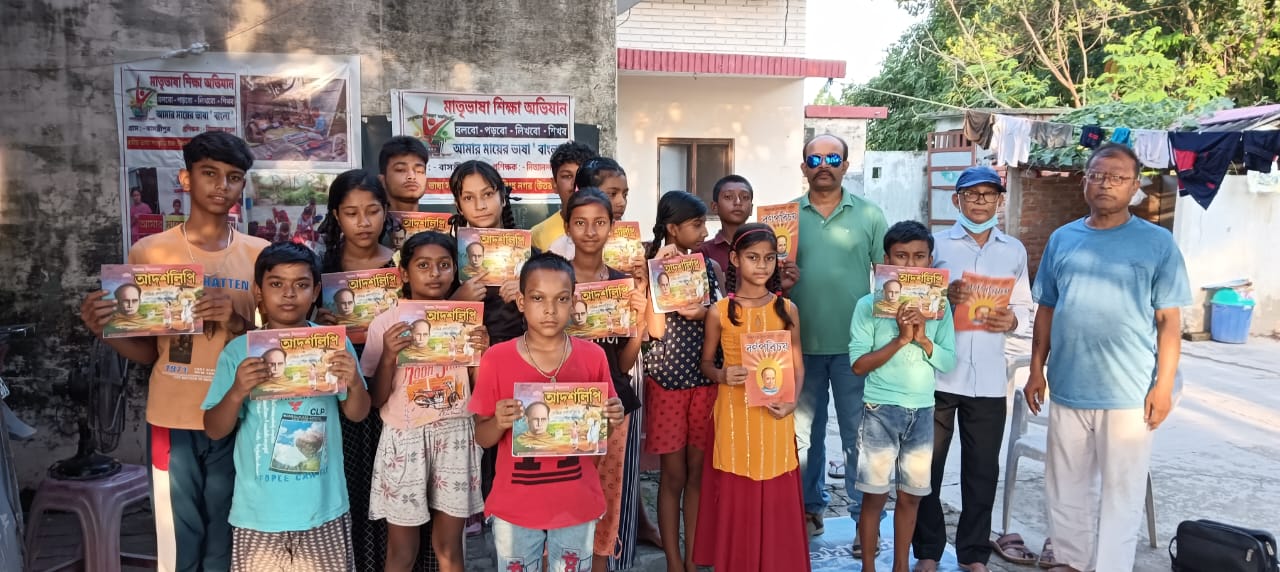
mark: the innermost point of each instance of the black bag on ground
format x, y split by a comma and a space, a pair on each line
1208, 546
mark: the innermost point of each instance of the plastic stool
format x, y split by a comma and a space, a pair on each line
99, 504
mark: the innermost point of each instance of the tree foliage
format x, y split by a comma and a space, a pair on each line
1076, 53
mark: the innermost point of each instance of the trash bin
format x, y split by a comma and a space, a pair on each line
1231, 317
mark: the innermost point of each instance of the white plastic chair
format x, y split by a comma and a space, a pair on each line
1032, 445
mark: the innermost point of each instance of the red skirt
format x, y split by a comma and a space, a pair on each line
750, 526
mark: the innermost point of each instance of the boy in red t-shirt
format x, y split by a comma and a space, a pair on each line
539, 503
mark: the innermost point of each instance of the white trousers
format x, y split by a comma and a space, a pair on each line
1096, 481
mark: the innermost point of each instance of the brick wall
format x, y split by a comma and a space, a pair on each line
1044, 203
760, 27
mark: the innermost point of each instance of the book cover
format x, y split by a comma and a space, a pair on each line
355, 298
440, 331
297, 361
771, 376
986, 293
560, 419
153, 299
435, 392
409, 223
502, 253
784, 219
678, 282
623, 249
923, 288
603, 310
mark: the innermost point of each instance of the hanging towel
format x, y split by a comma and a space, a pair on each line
1011, 140
1152, 147
1203, 160
1121, 136
1051, 135
977, 128
1090, 136
1261, 149
1264, 182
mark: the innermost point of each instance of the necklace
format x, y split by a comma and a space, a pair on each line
231, 236
524, 341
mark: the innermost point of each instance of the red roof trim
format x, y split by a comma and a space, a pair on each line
631, 59
845, 112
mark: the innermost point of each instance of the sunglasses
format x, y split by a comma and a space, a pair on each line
833, 159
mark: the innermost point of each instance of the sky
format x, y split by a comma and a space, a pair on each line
856, 31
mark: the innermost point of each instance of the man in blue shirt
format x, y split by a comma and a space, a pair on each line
1110, 289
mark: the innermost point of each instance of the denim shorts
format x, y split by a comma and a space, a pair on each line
520, 549
895, 437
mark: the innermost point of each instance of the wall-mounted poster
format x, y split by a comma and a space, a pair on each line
516, 133
295, 111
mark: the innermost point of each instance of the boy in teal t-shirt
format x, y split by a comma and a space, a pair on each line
289, 508
900, 357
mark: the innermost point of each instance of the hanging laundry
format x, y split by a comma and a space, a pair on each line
1090, 136
1121, 136
1261, 149
1051, 135
1011, 140
977, 128
1203, 160
1264, 182
1152, 147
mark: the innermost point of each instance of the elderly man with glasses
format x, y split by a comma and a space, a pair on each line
841, 236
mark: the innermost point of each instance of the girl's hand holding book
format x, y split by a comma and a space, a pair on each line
472, 290
506, 412
780, 410
639, 305
667, 251
325, 317
613, 411
509, 290
394, 340
479, 339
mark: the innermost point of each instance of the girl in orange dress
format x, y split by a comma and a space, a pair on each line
752, 515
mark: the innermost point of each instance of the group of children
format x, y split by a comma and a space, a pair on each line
729, 472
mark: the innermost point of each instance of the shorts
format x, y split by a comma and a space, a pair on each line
421, 469
325, 548
676, 418
521, 549
895, 437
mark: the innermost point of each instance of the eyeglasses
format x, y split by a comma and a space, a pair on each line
833, 159
1099, 178
979, 198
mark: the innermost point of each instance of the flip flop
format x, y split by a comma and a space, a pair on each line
1012, 548
835, 469
857, 547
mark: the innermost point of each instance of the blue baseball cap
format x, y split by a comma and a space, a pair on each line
978, 175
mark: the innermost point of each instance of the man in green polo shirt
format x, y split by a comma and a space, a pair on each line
840, 236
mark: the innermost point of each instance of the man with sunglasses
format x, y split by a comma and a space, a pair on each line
975, 389
1110, 288
841, 235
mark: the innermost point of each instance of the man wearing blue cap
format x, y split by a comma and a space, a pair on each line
975, 389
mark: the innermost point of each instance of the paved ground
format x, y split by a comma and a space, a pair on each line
1216, 457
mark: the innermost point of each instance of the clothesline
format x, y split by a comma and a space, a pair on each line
1200, 158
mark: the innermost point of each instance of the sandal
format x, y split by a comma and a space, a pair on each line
1046, 559
813, 524
1011, 547
857, 547
835, 469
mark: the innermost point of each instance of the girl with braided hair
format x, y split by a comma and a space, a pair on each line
751, 514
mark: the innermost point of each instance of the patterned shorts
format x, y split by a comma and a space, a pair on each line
325, 548
418, 470
677, 418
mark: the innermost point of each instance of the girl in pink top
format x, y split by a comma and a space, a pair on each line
427, 466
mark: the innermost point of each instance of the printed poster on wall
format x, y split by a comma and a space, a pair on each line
515, 133
299, 114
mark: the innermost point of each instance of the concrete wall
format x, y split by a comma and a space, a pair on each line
59, 156
895, 180
764, 117
1235, 238
769, 27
